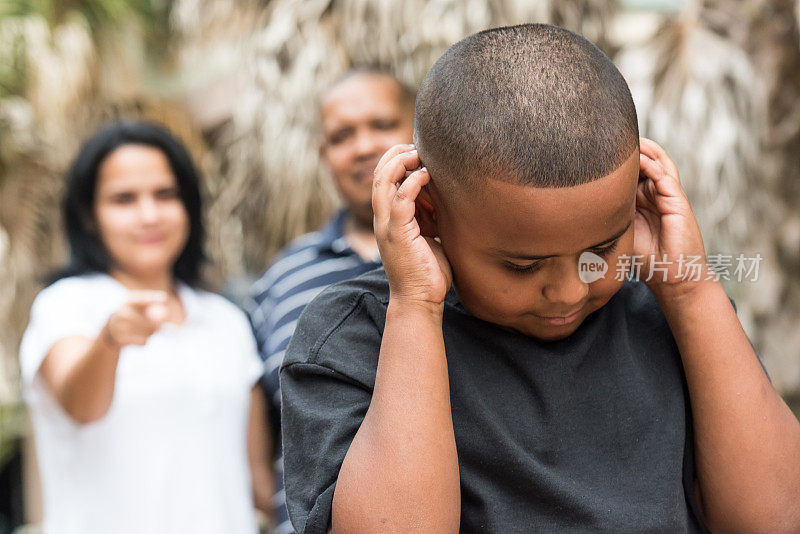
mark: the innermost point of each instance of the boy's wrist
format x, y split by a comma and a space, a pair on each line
406, 305
678, 294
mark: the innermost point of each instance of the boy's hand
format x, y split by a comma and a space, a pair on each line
416, 266
665, 228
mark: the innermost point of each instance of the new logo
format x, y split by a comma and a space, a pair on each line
591, 267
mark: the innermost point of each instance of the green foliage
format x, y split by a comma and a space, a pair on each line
102, 17
12, 62
98, 13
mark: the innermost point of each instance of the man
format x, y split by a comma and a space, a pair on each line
363, 114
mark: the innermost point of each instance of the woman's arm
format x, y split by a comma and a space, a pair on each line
260, 450
81, 372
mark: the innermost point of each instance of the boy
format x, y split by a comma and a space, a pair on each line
524, 399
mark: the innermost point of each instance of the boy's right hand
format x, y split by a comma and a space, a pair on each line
416, 266
139, 318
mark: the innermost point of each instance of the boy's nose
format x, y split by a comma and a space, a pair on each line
566, 291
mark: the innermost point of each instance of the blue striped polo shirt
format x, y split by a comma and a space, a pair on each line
304, 268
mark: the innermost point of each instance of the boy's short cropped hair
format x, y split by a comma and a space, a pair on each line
532, 104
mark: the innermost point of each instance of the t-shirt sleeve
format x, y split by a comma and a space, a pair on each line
252, 365
58, 312
326, 384
245, 360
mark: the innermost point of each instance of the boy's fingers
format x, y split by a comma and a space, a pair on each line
403, 206
664, 183
389, 154
385, 183
652, 150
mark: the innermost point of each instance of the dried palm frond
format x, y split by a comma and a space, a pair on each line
37, 134
773, 43
713, 134
718, 88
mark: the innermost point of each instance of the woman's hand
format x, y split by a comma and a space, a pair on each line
139, 318
416, 266
664, 226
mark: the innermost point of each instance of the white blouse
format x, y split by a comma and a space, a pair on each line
170, 455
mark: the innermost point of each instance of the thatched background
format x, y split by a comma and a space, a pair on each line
717, 85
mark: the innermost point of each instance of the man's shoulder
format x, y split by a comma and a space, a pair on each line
301, 252
310, 240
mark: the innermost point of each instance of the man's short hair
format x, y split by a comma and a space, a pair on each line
533, 104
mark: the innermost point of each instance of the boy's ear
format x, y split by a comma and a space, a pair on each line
426, 214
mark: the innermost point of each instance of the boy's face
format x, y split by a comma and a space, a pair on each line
493, 240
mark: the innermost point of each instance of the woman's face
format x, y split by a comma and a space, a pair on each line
140, 216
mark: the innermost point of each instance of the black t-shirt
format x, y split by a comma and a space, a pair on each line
591, 433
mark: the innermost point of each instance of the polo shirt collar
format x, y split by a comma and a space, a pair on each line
334, 240
333, 234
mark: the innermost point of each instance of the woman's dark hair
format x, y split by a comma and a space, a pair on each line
87, 252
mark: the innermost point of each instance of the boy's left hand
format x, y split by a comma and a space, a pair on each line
665, 228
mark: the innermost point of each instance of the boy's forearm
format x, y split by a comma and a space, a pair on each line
747, 440
401, 470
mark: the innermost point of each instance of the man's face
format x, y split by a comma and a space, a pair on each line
362, 117
494, 239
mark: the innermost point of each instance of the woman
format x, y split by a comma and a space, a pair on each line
140, 384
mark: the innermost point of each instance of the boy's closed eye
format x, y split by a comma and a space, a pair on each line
535, 266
